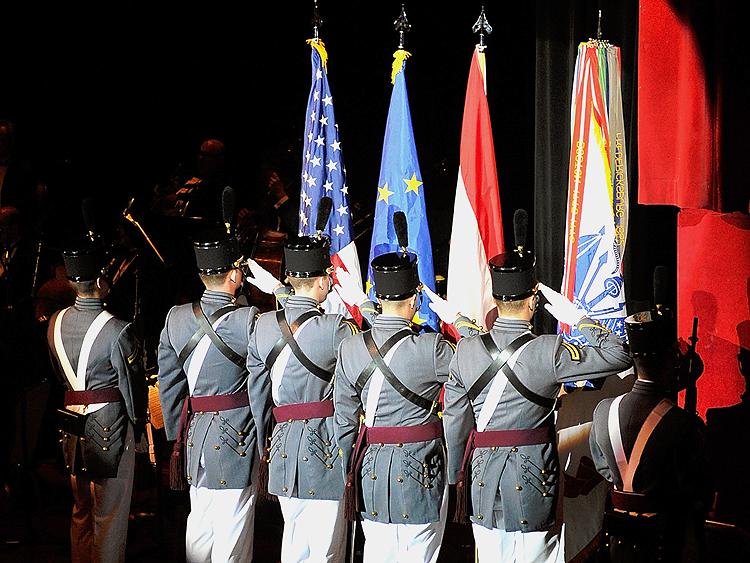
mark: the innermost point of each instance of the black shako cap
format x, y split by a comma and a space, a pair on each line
513, 275
84, 260
395, 275
307, 257
650, 333
216, 252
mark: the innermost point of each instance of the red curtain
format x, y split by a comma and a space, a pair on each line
678, 131
713, 283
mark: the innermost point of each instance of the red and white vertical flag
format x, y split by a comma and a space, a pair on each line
477, 233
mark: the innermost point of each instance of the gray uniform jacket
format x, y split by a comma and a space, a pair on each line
400, 484
515, 488
226, 440
114, 361
304, 458
673, 468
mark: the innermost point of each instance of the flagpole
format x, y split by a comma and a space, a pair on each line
482, 26
317, 21
402, 25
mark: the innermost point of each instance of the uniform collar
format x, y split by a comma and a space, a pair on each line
643, 387
301, 302
89, 303
216, 297
386, 322
511, 325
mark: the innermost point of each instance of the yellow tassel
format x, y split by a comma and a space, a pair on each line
398, 63
320, 47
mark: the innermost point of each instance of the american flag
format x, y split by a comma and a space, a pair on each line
323, 174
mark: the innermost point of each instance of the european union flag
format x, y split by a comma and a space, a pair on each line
400, 188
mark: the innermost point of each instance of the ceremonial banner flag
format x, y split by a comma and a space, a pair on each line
597, 191
323, 174
594, 246
400, 188
477, 233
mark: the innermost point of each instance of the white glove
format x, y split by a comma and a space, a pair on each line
262, 278
447, 312
348, 288
560, 307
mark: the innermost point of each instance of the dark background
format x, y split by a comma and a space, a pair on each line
108, 104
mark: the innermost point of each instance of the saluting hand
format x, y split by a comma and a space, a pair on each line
561, 307
447, 312
348, 288
262, 278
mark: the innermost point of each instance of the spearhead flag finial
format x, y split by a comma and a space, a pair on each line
482, 26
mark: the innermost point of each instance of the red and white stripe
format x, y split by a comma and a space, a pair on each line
477, 233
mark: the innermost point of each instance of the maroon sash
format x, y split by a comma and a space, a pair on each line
93, 396
303, 411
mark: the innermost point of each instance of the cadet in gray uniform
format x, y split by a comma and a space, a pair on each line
293, 350
99, 360
203, 389
653, 453
392, 375
499, 413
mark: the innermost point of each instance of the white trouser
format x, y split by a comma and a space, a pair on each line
404, 543
221, 523
314, 531
530, 547
99, 523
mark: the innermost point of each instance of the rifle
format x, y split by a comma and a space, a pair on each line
691, 390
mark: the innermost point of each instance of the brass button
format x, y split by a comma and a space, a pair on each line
190, 445
544, 483
544, 471
311, 492
305, 421
399, 445
83, 469
327, 455
381, 444
105, 449
284, 489
374, 513
242, 454
241, 443
480, 517
400, 479
289, 420
373, 477
519, 488
106, 428
428, 486
405, 516
217, 447
216, 412
222, 482
327, 443
189, 477
481, 483
304, 458
493, 448
514, 449
284, 456
82, 438
523, 522
329, 466
105, 439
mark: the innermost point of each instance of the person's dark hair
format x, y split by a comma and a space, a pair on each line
510, 307
213, 280
85, 288
303, 284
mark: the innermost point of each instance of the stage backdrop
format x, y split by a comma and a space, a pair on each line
714, 285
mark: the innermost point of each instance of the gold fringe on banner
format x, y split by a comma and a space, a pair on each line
398, 63
320, 47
